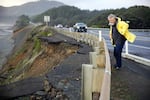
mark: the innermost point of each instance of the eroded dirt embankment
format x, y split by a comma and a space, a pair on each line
36, 57
51, 56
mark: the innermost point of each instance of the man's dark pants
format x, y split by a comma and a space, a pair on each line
117, 53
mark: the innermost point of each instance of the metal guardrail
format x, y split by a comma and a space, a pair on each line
96, 76
132, 30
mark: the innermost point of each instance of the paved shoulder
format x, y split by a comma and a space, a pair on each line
132, 81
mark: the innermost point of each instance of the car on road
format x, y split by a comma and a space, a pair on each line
80, 27
59, 26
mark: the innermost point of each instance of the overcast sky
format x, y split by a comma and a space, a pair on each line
87, 4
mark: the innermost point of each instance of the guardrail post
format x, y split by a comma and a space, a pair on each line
97, 50
126, 48
84, 38
93, 56
90, 40
78, 37
87, 76
98, 74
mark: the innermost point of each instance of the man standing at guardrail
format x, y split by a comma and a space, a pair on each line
119, 33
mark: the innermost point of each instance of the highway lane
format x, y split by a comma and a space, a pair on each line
141, 47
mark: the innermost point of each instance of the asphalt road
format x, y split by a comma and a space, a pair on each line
20, 36
141, 46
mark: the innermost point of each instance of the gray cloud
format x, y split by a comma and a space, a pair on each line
105, 4
88, 4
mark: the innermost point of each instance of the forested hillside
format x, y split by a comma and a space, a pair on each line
139, 16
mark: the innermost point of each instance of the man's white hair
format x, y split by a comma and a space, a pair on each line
112, 16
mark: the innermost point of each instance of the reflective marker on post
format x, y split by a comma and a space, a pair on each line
126, 48
100, 36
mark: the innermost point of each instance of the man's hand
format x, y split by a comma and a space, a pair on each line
110, 36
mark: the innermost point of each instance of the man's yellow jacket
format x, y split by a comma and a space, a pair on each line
122, 28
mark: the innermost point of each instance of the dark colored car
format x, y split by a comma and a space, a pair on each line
80, 27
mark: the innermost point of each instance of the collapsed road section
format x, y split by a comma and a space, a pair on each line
47, 67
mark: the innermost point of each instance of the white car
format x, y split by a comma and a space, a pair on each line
59, 26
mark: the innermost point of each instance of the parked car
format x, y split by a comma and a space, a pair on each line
80, 27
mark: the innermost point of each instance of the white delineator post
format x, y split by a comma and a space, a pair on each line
126, 47
70, 29
100, 36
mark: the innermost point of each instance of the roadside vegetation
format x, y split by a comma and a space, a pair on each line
22, 21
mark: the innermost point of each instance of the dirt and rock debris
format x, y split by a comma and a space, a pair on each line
49, 92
